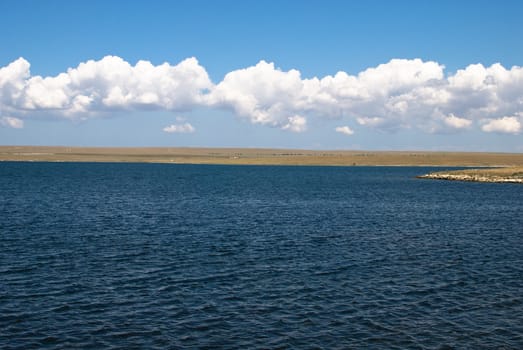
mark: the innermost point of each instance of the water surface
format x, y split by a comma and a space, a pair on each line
202, 256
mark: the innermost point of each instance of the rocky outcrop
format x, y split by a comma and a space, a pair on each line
516, 178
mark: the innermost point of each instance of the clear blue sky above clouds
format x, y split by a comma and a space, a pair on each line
231, 95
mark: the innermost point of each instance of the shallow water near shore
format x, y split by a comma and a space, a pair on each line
205, 256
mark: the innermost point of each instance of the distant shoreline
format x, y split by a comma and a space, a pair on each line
254, 156
509, 166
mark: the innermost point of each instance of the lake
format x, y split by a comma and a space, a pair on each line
164, 256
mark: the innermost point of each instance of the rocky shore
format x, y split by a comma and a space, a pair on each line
501, 175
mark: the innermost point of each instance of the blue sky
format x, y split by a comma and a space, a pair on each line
410, 76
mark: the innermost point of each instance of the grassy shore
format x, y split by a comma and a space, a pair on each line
257, 156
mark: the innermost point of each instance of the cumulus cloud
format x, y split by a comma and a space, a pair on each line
399, 94
264, 95
184, 128
12, 122
505, 125
108, 84
295, 124
370, 121
456, 122
344, 130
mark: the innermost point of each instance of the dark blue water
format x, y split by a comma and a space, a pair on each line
184, 256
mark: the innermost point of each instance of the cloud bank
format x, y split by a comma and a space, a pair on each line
399, 94
109, 84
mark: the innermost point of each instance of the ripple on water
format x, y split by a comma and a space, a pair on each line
163, 256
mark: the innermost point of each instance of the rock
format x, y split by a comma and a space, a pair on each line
472, 177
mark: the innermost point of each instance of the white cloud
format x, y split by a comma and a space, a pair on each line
264, 95
399, 94
12, 122
344, 130
368, 121
296, 124
185, 128
506, 125
456, 122
108, 84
